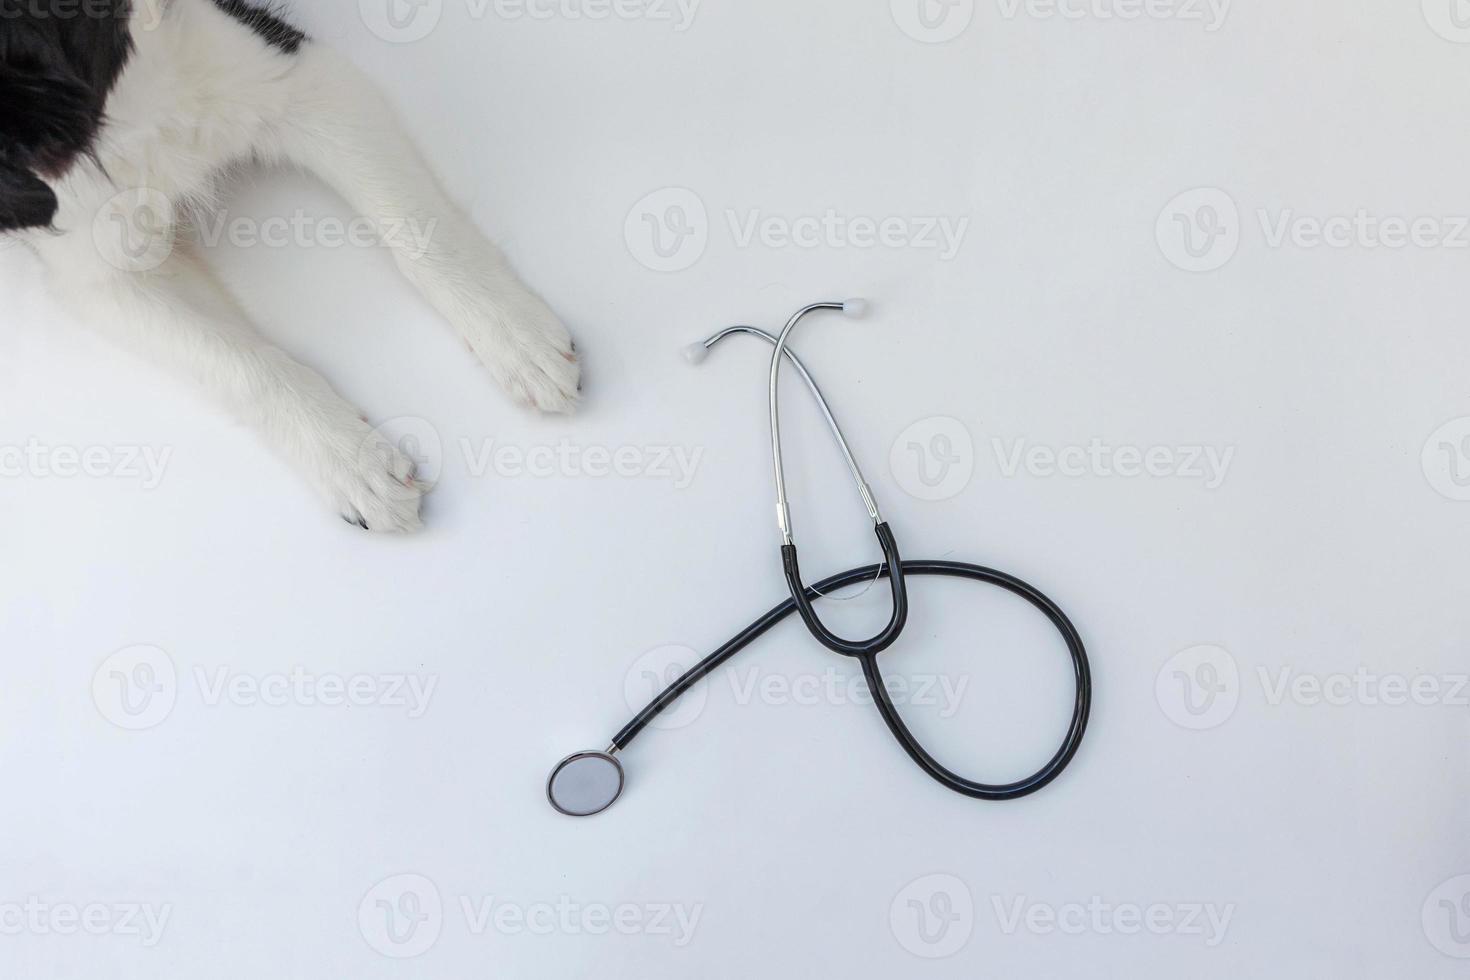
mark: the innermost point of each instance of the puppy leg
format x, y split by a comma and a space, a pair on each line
340, 128
178, 316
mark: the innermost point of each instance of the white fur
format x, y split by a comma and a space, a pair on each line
202, 92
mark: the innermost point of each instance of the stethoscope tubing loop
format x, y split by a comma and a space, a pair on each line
1076, 727
1081, 669
876, 644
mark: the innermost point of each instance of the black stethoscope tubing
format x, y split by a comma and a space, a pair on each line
1081, 706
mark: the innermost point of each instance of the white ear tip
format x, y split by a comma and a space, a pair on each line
856, 308
696, 353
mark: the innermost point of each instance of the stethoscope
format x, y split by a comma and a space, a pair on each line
589, 782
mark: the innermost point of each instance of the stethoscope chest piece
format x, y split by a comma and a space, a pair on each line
585, 783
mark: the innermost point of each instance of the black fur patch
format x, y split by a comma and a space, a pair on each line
58, 61
25, 201
47, 117
265, 22
86, 39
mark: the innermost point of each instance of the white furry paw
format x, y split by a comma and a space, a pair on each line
368, 480
363, 475
532, 357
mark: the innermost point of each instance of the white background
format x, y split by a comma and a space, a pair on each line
1332, 835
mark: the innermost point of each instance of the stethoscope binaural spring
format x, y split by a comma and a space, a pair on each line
589, 782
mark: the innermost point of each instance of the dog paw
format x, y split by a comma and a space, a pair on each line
544, 377
532, 357
369, 480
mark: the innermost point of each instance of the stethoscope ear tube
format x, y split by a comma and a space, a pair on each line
893, 566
